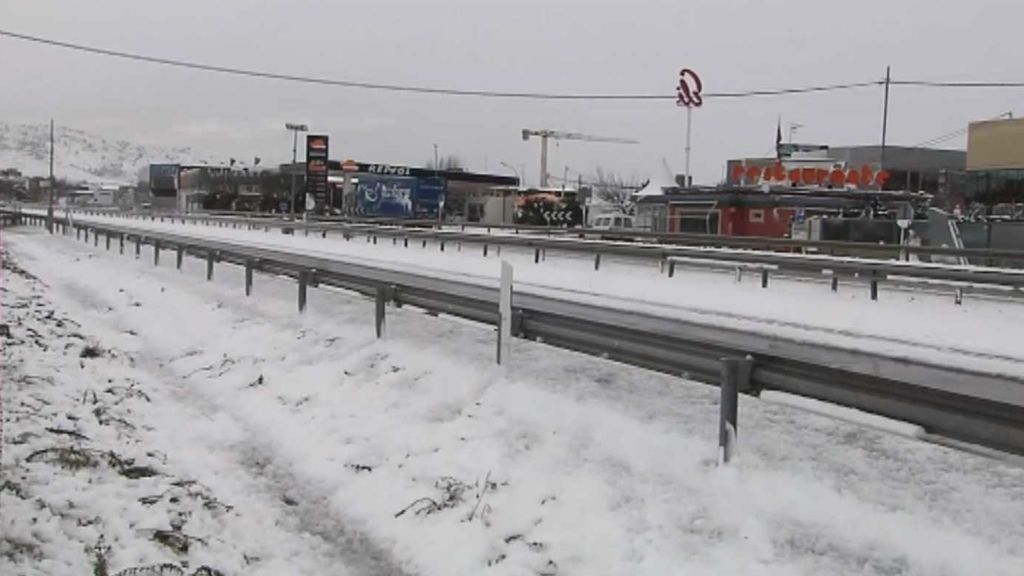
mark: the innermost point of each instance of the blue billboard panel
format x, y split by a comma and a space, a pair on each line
385, 196
429, 197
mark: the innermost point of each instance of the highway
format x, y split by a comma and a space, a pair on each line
949, 402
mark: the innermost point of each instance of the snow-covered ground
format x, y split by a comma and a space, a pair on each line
338, 453
918, 324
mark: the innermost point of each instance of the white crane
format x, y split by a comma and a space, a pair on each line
545, 134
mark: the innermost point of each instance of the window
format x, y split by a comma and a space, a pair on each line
627, 222
757, 216
618, 222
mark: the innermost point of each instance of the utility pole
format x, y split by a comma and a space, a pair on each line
885, 118
295, 128
49, 211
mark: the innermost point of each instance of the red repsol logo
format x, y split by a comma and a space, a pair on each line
866, 176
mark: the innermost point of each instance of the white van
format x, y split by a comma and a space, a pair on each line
613, 222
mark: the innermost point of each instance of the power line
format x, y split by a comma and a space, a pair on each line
956, 133
932, 84
417, 89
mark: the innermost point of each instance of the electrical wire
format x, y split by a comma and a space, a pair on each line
932, 84
417, 89
955, 133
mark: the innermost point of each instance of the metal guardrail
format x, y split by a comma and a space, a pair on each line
860, 269
948, 402
827, 247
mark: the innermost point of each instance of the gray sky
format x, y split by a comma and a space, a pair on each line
528, 45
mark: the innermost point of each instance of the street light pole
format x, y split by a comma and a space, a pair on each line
295, 128
514, 171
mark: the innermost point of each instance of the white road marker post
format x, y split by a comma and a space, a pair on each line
505, 315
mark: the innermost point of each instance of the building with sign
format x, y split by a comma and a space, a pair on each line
774, 211
396, 191
904, 167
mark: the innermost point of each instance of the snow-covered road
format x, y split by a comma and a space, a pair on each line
339, 453
924, 325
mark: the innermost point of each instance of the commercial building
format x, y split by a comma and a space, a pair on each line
779, 212
906, 168
995, 163
389, 190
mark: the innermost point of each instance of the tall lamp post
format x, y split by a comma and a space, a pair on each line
514, 171
295, 128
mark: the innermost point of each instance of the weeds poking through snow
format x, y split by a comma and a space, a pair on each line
91, 351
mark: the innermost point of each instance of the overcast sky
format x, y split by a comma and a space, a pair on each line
534, 45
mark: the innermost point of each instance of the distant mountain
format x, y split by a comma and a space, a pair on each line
80, 156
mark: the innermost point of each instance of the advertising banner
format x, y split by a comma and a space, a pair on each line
430, 197
386, 196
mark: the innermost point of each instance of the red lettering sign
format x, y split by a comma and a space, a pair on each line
865, 176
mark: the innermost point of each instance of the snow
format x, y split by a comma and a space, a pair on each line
80, 156
843, 413
556, 464
921, 324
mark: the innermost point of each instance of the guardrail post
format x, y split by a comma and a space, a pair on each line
95, 237
874, 288
374, 239
138, 246
958, 296
248, 277
735, 377
156, 252
179, 256
108, 241
671, 268
210, 257
597, 261
485, 250
536, 255
442, 245
394, 240
120, 242
764, 278
835, 283
303, 281
78, 233
424, 243
739, 274
323, 234
505, 315
382, 296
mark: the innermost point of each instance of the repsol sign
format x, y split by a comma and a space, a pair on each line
389, 170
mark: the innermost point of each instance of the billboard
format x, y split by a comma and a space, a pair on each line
429, 198
399, 196
163, 179
316, 169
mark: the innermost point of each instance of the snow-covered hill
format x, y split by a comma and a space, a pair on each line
79, 155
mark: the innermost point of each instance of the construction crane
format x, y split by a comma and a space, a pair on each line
545, 134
